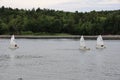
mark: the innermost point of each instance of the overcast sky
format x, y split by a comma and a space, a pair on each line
66, 5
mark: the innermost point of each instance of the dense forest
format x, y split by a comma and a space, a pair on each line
47, 21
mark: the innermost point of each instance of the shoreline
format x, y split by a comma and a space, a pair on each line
105, 37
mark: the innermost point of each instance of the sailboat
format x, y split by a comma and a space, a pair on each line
13, 44
100, 43
82, 44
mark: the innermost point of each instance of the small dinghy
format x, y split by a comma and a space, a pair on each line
13, 44
100, 43
82, 44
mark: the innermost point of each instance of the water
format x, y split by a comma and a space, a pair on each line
59, 59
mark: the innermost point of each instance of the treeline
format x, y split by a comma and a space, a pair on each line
46, 21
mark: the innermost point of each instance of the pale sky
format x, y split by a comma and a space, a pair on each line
65, 5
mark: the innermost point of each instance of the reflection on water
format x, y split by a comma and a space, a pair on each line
52, 59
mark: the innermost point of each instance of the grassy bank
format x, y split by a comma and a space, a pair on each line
61, 36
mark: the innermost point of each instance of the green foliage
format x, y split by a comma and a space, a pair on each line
46, 21
27, 33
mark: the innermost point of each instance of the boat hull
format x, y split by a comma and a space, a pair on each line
100, 47
84, 48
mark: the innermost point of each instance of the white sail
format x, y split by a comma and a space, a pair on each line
100, 40
82, 44
13, 44
100, 43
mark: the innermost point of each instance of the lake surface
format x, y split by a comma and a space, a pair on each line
59, 59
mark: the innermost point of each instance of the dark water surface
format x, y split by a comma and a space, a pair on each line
59, 59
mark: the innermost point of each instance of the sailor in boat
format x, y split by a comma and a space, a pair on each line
16, 46
102, 45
